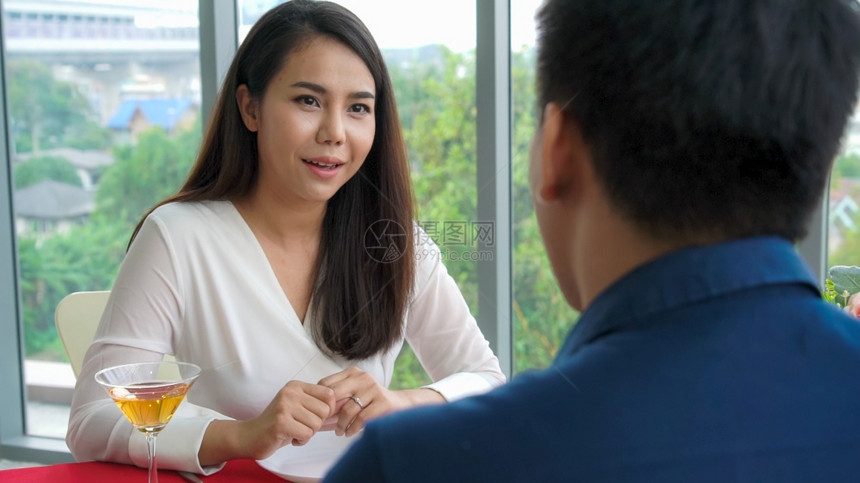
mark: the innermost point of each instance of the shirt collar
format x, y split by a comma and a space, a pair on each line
687, 276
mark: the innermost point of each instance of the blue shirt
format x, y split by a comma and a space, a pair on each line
718, 363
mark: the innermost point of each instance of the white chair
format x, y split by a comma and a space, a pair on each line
77, 318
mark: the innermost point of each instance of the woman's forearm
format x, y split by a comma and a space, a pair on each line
221, 443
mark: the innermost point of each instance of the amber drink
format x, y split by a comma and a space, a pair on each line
148, 394
149, 406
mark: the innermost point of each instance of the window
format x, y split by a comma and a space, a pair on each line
843, 237
88, 122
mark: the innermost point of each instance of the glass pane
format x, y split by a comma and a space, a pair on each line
433, 72
843, 235
541, 316
103, 100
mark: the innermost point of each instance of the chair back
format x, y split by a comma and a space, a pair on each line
77, 318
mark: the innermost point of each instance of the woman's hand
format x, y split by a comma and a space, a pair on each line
360, 398
295, 414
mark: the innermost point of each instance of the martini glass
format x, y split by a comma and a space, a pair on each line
148, 394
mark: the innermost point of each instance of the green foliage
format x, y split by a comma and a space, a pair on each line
829, 293
442, 144
411, 97
408, 373
88, 256
41, 168
89, 135
42, 110
541, 316
144, 174
437, 109
848, 250
85, 258
847, 166
44, 113
443, 152
842, 282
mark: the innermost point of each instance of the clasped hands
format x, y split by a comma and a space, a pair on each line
343, 402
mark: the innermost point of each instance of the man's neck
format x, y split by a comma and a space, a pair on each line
608, 248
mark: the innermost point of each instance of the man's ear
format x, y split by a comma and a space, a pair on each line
248, 107
558, 150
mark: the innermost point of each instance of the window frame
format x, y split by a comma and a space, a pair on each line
14, 442
813, 248
494, 175
217, 30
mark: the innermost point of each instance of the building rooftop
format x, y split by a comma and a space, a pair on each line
158, 112
52, 200
80, 158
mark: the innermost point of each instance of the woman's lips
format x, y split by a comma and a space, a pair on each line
323, 167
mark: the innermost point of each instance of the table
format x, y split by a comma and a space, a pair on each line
236, 471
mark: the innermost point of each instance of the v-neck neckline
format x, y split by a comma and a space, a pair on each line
273, 277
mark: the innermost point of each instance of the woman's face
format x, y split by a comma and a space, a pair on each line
315, 123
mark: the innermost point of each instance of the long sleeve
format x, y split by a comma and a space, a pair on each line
139, 324
444, 335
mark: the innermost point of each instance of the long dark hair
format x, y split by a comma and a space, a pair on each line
359, 299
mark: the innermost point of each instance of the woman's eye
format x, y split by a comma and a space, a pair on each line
307, 101
362, 108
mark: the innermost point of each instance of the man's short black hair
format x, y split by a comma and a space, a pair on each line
706, 119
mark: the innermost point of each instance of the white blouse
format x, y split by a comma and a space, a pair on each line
197, 284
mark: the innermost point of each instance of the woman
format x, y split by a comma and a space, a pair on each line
285, 267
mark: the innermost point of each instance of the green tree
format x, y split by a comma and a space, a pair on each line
89, 135
436, 103
42, 109
85, 258
541, 316
847, 166
407, 73
848, 251
443, 152
145, 173
41, 168
88, 256
845, 238
441, 138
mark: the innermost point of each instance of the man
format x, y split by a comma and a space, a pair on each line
683, 146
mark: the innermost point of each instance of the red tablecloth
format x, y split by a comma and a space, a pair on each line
236, 471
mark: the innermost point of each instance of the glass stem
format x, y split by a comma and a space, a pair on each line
153, 463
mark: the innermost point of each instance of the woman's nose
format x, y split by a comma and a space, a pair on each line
331, 129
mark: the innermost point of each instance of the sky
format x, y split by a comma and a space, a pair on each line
394, 23
421, 22
414, 23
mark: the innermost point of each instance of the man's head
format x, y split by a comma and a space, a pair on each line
704, 120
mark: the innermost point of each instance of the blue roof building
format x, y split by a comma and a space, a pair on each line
136, 115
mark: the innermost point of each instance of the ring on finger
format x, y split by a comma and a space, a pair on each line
357, 400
